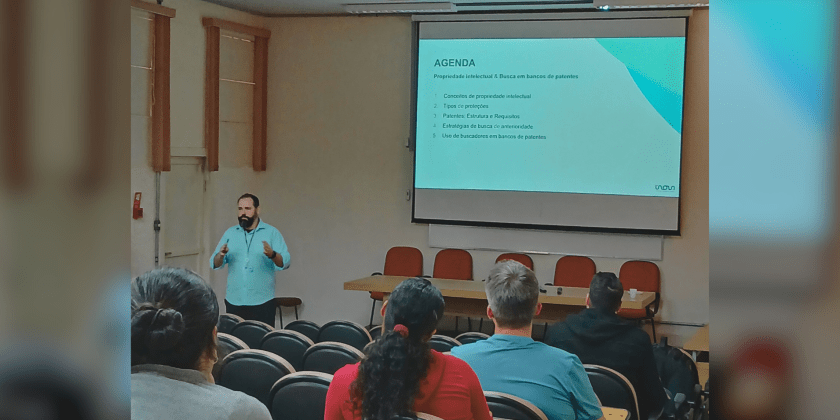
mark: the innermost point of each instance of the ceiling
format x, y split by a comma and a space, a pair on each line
335, 7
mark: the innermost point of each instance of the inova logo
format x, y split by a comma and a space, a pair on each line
665, 187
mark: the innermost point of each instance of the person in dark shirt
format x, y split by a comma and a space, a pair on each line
600, 337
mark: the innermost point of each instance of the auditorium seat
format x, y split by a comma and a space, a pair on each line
471, 337
227, 322
287, 344
510, 407
328, 357
443, 343
347, 332
300, 396
307, 328
227, 345
375, 331
399, 261
253, 372
251, 332
613, 389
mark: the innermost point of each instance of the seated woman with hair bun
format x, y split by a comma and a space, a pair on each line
173, 350
400, 375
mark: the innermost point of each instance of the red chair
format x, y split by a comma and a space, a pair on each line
574, 271
399, 261
521, 258
644, 277
454, 264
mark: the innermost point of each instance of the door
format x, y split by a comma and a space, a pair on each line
183, 218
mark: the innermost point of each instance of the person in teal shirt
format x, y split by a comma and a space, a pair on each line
253, 251
512, 362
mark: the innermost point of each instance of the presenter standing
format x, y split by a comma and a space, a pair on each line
253, 251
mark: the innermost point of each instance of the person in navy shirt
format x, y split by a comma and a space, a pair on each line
253, 252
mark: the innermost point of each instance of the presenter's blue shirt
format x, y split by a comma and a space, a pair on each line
551, 379
250, 272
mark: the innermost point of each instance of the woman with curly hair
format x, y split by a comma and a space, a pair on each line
173, 348
400, 375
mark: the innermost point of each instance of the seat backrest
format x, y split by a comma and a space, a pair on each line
227, 345
287, 344
521, 258
253, 372
454, 264
375, 331
574, 271
251, 332
613, 389
347, 332
471, 337
403, 261
677, 370
300, 396
328, 357
506, 406
443, 343
307, 328
227, 322
641, 275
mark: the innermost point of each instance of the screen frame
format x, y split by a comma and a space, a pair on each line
412, 142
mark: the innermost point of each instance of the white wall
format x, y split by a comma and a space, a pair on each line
187, 53
338, 169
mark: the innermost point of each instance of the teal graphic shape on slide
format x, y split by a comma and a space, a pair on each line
657, 66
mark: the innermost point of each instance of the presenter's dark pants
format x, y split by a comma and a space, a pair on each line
264, 313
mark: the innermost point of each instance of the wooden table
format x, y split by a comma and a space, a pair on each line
467, 298
615, 413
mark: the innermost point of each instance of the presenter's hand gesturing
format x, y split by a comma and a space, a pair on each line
267, 250
224, 250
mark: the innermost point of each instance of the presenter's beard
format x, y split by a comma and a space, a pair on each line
245, 221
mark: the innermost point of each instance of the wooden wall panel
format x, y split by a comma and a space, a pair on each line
211, 98
260, 102
160, 108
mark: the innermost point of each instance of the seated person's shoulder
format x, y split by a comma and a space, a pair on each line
453, 362
249, 408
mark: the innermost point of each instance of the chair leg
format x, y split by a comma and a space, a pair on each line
372, 307
280, 309
296, 315
480, 324
469, 324
653, 329
456, 325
